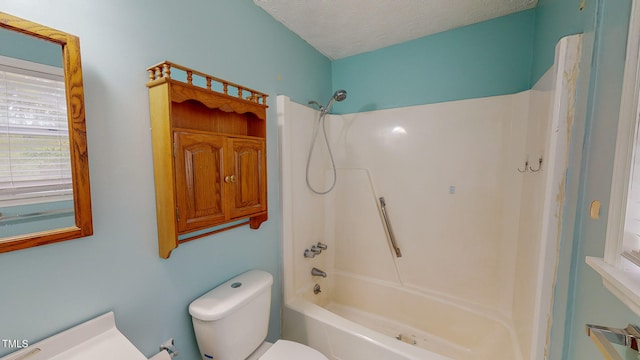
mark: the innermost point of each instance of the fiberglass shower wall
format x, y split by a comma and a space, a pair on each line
448, 173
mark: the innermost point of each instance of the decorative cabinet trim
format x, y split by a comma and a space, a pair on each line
209, 154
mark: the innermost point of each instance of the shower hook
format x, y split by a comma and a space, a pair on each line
526, 165
539, 166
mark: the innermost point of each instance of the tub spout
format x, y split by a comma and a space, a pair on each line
318, 272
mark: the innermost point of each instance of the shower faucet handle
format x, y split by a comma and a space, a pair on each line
315, 250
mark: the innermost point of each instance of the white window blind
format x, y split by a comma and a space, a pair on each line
631, 237
35, 161
631, 232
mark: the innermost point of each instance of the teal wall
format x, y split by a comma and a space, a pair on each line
555, 19
485, 59
49, 288
61, 216
28, 48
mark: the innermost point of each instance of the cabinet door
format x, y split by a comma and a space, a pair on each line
199, 164
248, 193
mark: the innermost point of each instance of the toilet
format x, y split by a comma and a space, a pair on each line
231, 322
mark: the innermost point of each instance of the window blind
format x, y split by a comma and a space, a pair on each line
631, 239
34, 138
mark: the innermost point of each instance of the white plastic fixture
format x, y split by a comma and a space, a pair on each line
96, 339
232, 320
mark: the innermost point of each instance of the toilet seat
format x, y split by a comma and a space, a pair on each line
289, 350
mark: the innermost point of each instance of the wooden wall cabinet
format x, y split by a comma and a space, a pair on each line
209, 155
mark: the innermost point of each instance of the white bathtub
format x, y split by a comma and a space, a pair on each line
360, 318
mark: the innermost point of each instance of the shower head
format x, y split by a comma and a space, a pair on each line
337, 96
340, 95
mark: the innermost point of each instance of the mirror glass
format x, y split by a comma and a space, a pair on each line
44, 177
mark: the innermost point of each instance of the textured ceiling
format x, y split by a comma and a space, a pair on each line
341, 28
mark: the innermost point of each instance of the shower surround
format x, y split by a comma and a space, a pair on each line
474, 194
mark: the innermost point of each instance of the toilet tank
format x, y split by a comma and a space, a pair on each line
232, 320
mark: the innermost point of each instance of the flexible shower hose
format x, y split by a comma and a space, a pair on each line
321, 119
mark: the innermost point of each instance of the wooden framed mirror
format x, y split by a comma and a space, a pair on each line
18, 229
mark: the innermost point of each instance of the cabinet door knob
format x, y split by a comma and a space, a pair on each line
230, 179
233, 178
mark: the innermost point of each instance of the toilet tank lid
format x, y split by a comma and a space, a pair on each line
225, 298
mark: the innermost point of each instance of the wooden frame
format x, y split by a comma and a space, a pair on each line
70, 46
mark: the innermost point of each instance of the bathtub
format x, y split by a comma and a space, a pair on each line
356, 317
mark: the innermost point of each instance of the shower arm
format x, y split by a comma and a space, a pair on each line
320, 107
